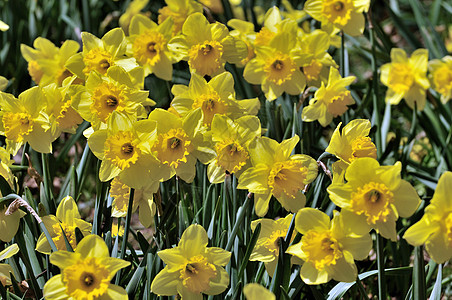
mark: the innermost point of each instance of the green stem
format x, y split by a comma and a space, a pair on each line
238, 224
381, 268
122, 255
342, 61
361, 288
419, 291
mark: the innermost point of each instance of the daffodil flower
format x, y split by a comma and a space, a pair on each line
192, 268
85, 273
269, 240
143, 199
406, 77
25, 120
117, 90
374, 197
316, 70
207, 47
329, 101
353, 142
149, 46
125, 151
276, 66
46, 62
328, 247
178, 10
275, 172
101, 54
231, 140
441, 76
435, 227
214, 97
177, 144
67, 218
346, 15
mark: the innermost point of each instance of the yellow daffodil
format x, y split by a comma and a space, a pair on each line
178, 10
328, 247
231, 140
5, 170
406, 77
207, 47
269, 240
346, 15
214, 97
441, 76
143, 199
317, 69
329, 101
67, 219
85, 273
125, 151
101, 54
192, 268
5, 269
117, 90
276, 67
352, 143
272, 19
9, 223
176, 143
133, 9
24, 119
374, 196
435, 227
62, 116
149, 46
244, 31
46, 63
255, 291
276, 172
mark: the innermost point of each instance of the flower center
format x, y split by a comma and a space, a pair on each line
59, 240
363, 147
373, 200
121, 149
86, 279
337, 104
337, 12
231, 156
197, 273
312, 71
279, 69
210, 104
97, 59
67, 117
106, 98
206, 58
173, 147
320, 248
287, 178
274, 240
148, 46
17, 125
442, 79
401, 77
